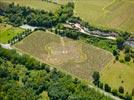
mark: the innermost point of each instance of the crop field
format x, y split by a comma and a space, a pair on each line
123, 74
116, 14
36, 4
7, 32
74, 57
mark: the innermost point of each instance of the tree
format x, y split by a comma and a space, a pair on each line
133, 92
114, 92
117, 57
56, 91
3, 72
127, 49
121, 89
101, 85
115, 53
120, 41
128, 97
107, 88
96, 78
127, 57
0, 20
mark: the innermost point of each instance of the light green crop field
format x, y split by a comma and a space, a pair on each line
36, 4
119, 74
74, 57
113, 14
64, 2
7, 32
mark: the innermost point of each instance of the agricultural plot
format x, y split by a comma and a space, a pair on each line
63, 2
123, 74
116, 14
7, 32
74, 57
36, 4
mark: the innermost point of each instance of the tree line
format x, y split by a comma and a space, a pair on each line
19, 37
23, 77
18, 15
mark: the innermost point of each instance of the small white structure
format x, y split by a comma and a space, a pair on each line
32, 28
6, 46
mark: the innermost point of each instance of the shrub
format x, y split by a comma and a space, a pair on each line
101, 85
96, 78
127, 49
115, 52
121, 89
133, 92
107, 88
0, 20
127, 57
117, 57
114, 92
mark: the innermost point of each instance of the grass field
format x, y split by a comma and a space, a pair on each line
122, 74
7, 32
74, 57
116, 14
37, 4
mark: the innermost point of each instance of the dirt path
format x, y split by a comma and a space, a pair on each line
62, 41
104, 92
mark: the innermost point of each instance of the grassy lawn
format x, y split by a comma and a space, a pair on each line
116, 14
122, 73
74, 57
119, 74
7, 32
37, 4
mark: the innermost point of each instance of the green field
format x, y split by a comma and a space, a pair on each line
122, 73
115, 14
36, 4
75, 57
119, 74
7, 32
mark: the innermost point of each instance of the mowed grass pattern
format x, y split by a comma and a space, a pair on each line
74, 57
7, 32
36, 4
115, 14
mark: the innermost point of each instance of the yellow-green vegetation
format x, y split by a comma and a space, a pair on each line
115, 14
63, 2
3, 19
44, 96
74, 57
37, 4
7, 32
119, 74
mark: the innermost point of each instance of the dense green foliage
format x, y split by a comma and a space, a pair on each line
22, 77
24, 15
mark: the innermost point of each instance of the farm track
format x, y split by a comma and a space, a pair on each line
104, 92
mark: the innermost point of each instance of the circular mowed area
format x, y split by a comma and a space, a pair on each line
59, 53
